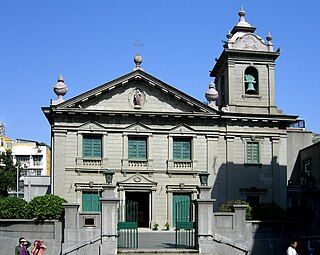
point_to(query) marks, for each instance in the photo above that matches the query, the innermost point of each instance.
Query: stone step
(158, 251)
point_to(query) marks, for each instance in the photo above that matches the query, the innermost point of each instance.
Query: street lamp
(204, 178)
(108, 175)
(17, 185)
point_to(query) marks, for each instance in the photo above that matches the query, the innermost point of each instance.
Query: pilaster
(59, 162)
(229, 166)
(275, 143)
(271, 88)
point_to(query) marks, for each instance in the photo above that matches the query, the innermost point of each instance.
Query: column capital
(229, 138)
(275, 139)
(212, 137)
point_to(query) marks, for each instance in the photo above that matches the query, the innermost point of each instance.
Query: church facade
(157, 139)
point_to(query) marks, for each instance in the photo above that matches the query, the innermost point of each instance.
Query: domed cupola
(242, 36)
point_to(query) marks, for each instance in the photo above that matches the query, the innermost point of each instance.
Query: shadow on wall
(258, 183)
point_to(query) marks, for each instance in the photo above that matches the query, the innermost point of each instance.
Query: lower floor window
(90, 201)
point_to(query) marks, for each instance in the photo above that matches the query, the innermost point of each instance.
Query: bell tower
(244, 72)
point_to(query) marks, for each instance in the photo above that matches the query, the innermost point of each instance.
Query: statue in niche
(137, 99)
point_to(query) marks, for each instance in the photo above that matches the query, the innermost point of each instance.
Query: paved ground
(151, 242)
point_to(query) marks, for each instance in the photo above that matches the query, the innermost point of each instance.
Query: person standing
(22, 247)
(292, 248)
(38, 248)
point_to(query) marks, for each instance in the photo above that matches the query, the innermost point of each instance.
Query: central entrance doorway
(142, 201)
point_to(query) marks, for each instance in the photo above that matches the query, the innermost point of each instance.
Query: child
(38, 248)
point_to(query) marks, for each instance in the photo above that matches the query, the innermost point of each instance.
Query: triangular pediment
(250, 41)
(90, 126)
(182, 129)
(133, 93)
(137, 127)
(137, 180)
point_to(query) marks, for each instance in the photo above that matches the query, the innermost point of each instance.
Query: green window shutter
(90, 202)
(181, 149)
(253, 153)
(92, 147)
(137, 148)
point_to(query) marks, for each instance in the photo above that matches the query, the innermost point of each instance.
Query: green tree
(46, 207)
(8, 173)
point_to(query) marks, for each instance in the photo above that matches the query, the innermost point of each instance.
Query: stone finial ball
(138, 59)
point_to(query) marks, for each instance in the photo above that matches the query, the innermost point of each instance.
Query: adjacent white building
(34, 160)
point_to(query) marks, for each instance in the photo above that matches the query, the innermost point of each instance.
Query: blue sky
(92, 42)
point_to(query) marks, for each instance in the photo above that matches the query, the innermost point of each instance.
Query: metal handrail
(230, 243)
(95, 239)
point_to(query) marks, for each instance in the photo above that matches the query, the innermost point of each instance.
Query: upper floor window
(252, 152)
(137, 148)
(181, 149)
(307, 165)
(251, 81)
(92, 146)
(37, 160)
(23, 159)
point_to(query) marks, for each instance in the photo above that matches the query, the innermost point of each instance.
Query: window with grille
(181, 149)
(253, 156)
(23, 159)
(37, 160)
(137, 148)
(92, 147)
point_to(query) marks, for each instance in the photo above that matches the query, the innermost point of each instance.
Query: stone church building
(157, 139)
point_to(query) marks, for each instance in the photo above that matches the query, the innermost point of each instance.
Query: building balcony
(137, 165)
(181, 166)
(90, 164)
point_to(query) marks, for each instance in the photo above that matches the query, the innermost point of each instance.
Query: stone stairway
(162, 251)
(157, 242)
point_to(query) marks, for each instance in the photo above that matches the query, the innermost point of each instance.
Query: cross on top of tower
(138, 44)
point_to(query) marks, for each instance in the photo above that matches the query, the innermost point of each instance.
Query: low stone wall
(231, 235)
(49, 231)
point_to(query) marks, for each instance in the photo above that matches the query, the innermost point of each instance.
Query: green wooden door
(181, 208)
(90, 202)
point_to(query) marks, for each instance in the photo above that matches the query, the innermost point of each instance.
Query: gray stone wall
(11, 230)
(219, 233)
(209, 154)
(297, 140)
